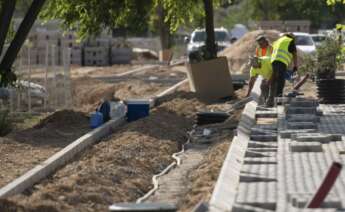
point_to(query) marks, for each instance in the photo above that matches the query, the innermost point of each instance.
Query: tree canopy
(322, 14)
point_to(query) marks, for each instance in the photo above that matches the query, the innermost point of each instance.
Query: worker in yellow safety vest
(260, 66)
(284, 52)
(264, 48)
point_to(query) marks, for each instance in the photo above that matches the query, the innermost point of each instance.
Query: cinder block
(305, 147)
(289, 133)
(266, 114)
(303, 118)
(319, 137)
(301, 125)
(303, 103)
(300, 110)
(271, 137)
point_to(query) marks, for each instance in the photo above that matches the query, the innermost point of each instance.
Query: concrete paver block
(289, 133)
(266, 114)
(303, 103)
(301, 125)
(306, 147)
(320, 137)
(303, 118)
(300, 110)
(264, 144)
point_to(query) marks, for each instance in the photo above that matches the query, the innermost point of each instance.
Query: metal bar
(326, 186)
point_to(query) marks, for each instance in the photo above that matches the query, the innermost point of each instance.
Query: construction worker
(284, 51)
(261, 66)
(264, 48)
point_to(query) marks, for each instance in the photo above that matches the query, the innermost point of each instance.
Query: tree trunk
(164, 30)
(21, 35)
(211, 46)
(7, 9)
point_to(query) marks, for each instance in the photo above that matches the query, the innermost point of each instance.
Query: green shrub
(326, 61)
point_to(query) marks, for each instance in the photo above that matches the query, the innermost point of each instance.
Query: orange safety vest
(261, 52)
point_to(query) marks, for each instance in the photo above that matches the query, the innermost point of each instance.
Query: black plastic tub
(331, 91)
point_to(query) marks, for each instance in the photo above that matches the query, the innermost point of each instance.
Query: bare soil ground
(111, 70)
(34, 140)
(119, 168)
(308, 89)
(77, 71)
(23, 149)
(202, 180)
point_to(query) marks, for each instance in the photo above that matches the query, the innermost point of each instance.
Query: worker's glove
(295, 68)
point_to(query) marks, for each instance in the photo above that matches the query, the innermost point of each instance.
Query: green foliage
(244, 11)
(333, 2)
(327, 60)
(5, 123)
(93, 16)
(181, 12)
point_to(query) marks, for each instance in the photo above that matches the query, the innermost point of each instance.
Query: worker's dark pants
(278, 82)
(264, 92)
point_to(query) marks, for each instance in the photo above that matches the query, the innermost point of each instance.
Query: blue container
(96, 119)
(137, 109)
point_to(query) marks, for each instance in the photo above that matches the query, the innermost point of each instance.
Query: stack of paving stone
(301, 116)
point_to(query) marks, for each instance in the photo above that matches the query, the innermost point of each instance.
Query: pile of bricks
(94, 52)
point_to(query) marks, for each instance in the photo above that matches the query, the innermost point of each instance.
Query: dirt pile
(88, 93)
(58, 129)
(21, 150)
(240, 51)
(120, 168)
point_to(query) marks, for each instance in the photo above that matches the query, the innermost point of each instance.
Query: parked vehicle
(304, 42)
(318, 39)
(198, 37)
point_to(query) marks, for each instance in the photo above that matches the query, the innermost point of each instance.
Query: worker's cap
(261, 37)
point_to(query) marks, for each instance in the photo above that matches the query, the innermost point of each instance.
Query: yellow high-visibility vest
(281, 50)
(265, 70)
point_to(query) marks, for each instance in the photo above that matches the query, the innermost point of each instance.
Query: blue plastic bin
(96, 119)
(137, 109)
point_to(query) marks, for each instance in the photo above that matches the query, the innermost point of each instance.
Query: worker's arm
(250, 85)
(293, 50)
(295, 61)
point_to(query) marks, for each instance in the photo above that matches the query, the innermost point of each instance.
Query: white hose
(177, 162)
